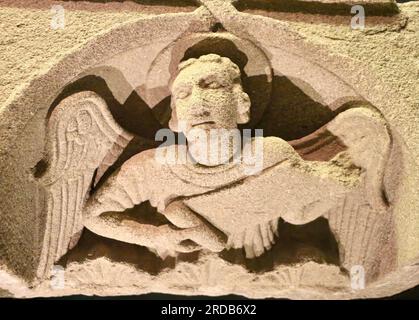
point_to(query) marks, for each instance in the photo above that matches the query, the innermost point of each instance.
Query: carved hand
(255, 239)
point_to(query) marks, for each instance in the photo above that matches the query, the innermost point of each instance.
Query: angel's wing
(361, 132)
(362, 222)
(83, 140)
(321, 145)
(367, 138)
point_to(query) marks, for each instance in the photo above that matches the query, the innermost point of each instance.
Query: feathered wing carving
(321, 145)
(364, 135)
(83, 138)
(367, 137)
(363, 221)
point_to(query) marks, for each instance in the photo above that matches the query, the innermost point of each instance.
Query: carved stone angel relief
(216, 149)
(217, 206)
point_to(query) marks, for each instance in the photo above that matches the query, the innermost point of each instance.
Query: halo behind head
(254, 69)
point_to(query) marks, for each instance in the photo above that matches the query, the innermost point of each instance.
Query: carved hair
(230, 66)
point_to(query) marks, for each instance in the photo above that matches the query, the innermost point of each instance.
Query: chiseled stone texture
(387, 51)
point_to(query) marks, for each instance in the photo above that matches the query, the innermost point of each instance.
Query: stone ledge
(328, 7)
(142, 6)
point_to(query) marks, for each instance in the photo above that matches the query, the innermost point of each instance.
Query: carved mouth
(201, 123)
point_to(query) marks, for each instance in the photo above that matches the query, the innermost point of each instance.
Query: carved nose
(201, 112)
(206, 113)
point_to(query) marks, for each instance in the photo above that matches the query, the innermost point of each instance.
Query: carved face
(207, 94)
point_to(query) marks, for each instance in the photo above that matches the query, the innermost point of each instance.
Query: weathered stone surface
(334, 190)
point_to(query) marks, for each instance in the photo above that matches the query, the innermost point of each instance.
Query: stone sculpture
(214, 205)
(318, 194)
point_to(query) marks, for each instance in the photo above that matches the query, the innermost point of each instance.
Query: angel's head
(207, 94)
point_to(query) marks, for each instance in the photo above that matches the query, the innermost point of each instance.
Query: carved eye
(213, 85)
(210, 84)
(182, 94)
